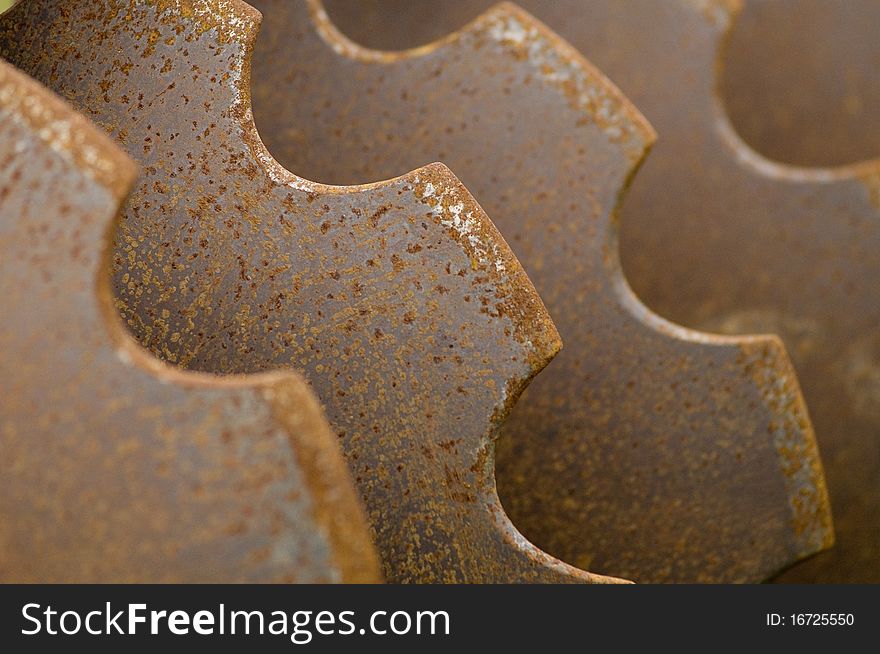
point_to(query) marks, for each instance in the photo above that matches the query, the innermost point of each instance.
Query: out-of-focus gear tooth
(716, 236)
(798, 80)
(644, 450)
(116, 468)
(411, 318)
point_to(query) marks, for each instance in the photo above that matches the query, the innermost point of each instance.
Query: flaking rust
(116, 468)
(644, 450)
(717, 236)
(406, 310)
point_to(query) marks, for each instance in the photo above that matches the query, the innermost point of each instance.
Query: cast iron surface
(644, 450)
(715, 235)
(116, 468)
(404, 307)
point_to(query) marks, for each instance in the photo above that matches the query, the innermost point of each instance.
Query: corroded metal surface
(644, 450)
(412, 320)
(715, 236)
(115, 467)
(799, 81)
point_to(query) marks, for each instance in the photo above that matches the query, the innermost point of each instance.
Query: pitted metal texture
(717, 236)
(115, 467)
(644, 450)
(399, 301)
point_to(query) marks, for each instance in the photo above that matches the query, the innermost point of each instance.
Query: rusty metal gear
(115, 467)
(715, 235)
(410, 317)
(798, 80)
(644, 450)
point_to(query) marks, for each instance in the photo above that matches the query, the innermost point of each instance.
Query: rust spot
(629, 452)
(200, 479)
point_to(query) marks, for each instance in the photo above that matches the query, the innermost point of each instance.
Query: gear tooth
(621, 453)
(554, 60)
(645, 449)
(188, 465)
(399, 300)
(795, 442)
(717, 235)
